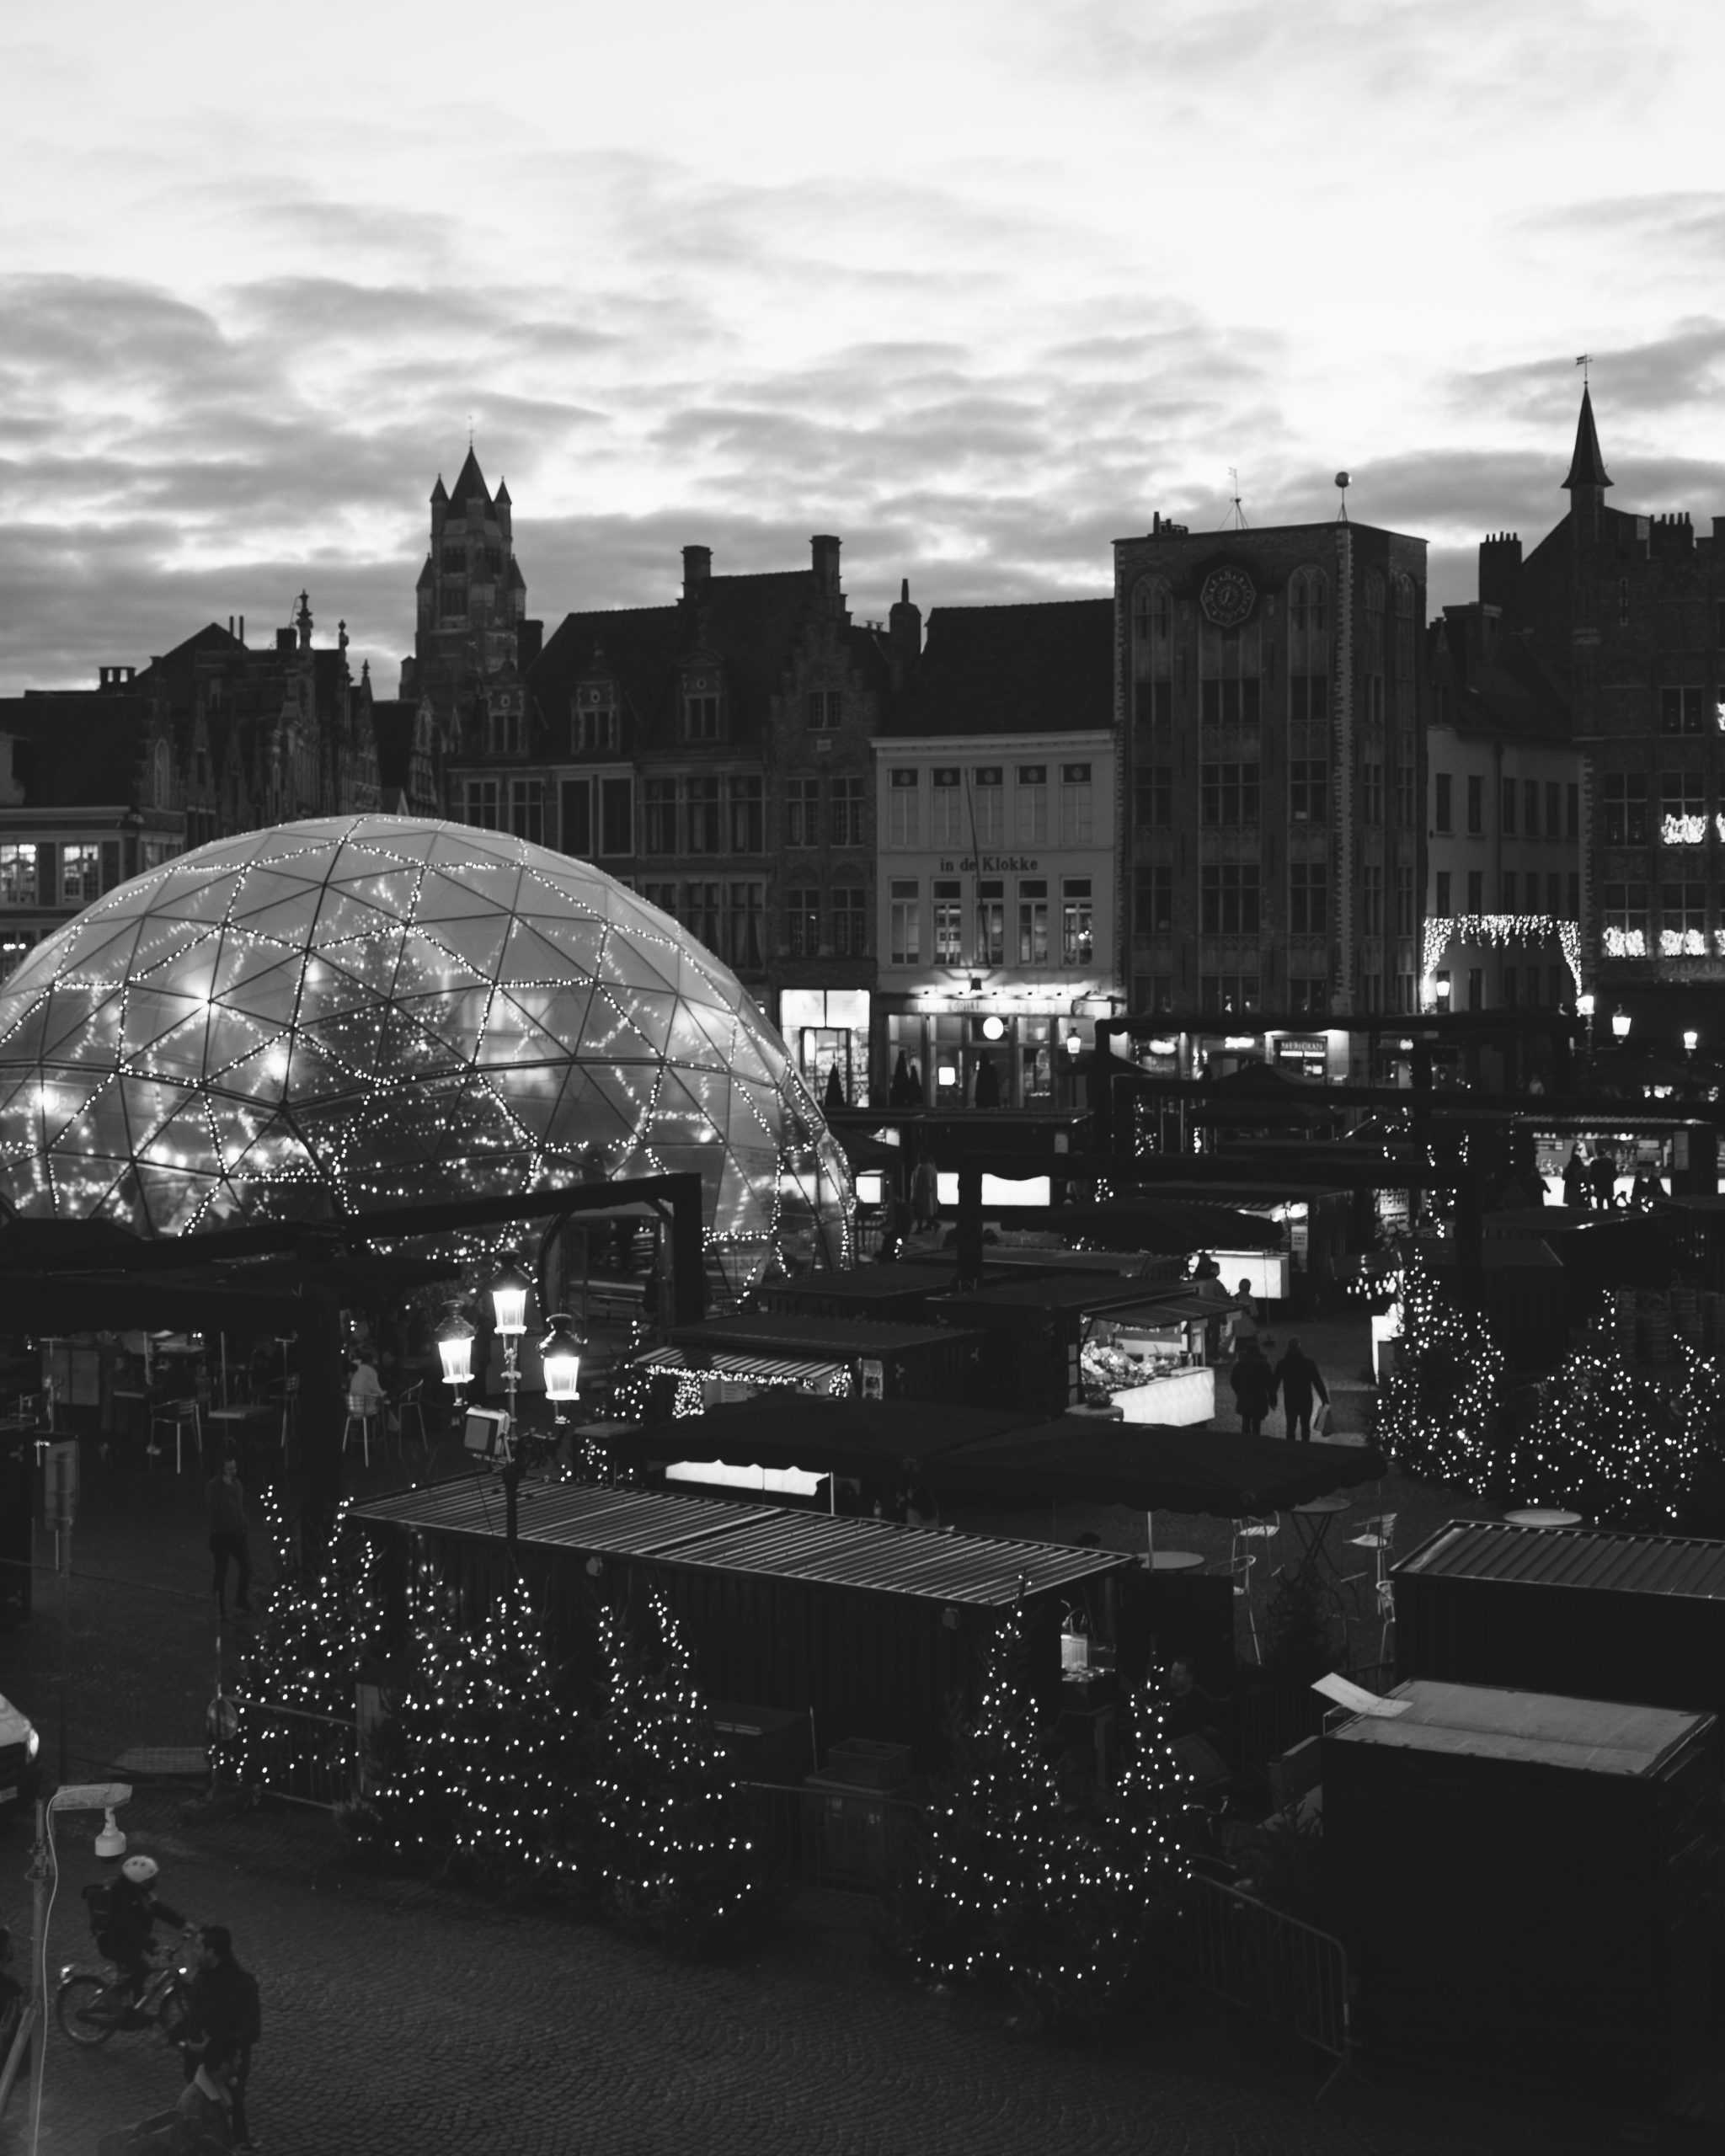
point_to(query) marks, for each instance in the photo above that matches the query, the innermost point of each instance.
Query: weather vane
(1585, 360)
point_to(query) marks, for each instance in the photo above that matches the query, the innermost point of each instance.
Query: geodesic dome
(355, 1012)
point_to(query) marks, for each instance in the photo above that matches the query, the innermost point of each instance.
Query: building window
(1308, 697)
(1306, 597)
(1153, 899)
(1554, 809)
(905, 922)
(1507, 905)
(802, 812)
(1476, 806)
(80, 874)
(18, 875)
(616, 816)
(1153, 705)
(803, 923)
(453, 603)
(1683, 919)
(1572, 814)
(747, 908)
(526, 809)
(1508, 807)
(1442, 813)
(1229, 794)
(659, 809)
(903, 798)
(1405, 809)
(506, 729)
(1033, 921)
(848, 811)
(948, 809)
(1476, 890)
(1153, 794)
(1308, 791)
(1032, 805)
(748, 815)
(948, 923)
(1224, 995)
(701, 799)
(455, 561)
(1228, 892)
(1554, 895)
(1531, 808)
(1308, 897)
(988, 805)
(1371, 794)
(1308, 997)
(481, 807)
(1229, 698)
(701, 913)
(662, 895)
(1152, 993)
(1077, 927)
(850, 921)
(1624, 797)
(990, 923)
(575, 817)
(1683, 809)
(1574, 894)
(1683, 710)
(1371, 900)
(1626, 920)
(1153, 654)
(824, 709)
(1443, 880)
(596, 729)
(1512, 987)
(1076, 813)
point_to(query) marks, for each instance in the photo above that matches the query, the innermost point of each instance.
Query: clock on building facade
(1227, 597)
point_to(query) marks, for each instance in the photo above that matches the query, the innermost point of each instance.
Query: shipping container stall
(1527, 1886)
(1036, 1331)
(1583, 1612)
(892, 1360)
(874, 1629)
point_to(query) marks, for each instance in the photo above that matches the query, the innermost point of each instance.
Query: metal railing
(294, 1754)
(1286, 1973)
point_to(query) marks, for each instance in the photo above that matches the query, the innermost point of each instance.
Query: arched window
(1153, 653)
(1371, 650)
(1308, 645)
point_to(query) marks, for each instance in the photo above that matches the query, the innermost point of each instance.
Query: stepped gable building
(994, 919)
(211, 738)
(1628, 611)
(1271, 704)
(714, 754)
(1503, 825)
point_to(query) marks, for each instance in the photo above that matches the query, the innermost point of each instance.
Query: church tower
(472, 598)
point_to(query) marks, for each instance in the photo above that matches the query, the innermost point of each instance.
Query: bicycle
(89, 2011)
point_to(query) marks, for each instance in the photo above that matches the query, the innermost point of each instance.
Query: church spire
(1587, 467)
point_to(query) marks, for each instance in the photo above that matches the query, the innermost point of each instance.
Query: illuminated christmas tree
(678, 1857)
(1602, 1443)
(1437, 1414)
(1699, 1410)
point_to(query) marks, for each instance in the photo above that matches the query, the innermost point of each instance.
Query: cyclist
(133, 1914)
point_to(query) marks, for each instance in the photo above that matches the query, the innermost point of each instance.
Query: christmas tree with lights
(1602, 1443)
(1699, 1407)
(678, 1857)
(1437, 1413)
(519, 1765)
(993, 1900)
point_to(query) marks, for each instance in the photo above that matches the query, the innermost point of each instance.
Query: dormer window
(597, 725)
(701, 707)
(507, 727)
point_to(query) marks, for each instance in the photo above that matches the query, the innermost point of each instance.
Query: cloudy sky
(977, 286)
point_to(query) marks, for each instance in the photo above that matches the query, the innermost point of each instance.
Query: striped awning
(733, 1363)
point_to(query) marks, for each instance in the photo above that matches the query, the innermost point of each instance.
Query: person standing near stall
(1297, 1379)
(225, 1512)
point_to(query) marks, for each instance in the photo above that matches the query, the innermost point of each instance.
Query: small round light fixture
(993, 1027)
(110, 1842)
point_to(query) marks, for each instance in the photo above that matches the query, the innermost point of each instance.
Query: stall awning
(734, 1362)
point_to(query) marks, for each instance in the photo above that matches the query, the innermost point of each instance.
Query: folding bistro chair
(361, 1413)
(1378, 1535)
(1239, 1570)
(179, 1415)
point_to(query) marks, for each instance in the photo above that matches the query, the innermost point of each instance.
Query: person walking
(1297, 1379)
(225, 1512)
(1254, 1387)
(925, 1195)
(1575, 1192)
(225, 2020)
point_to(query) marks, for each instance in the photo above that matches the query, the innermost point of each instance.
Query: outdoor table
(1543, 1516)
(1311, 1523)
(1174, 1561)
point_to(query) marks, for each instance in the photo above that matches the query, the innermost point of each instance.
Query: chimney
(1500, 572)
(284, 640)
(904, 636)
(697, 567)
(825, 550)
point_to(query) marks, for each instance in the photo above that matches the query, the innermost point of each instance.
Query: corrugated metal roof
(735, 1362)
(758, 1539)
(1485, 1721)
(1575, 1557)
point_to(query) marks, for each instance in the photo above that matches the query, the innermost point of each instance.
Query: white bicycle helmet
(139, 1869)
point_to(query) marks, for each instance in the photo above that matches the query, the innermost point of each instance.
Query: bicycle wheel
(72, 2002)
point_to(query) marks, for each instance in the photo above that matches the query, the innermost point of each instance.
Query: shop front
(990, 1052)
(826, 1029)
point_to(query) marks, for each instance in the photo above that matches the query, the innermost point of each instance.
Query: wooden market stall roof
(758, 1540)
(1620, 1562)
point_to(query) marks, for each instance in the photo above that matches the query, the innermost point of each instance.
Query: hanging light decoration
(560, 1351)
(509, 1299)
(454, 1349)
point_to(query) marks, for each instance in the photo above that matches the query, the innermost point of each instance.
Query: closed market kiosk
(1527, 1886)
(871, 1627)
(1584, 1612)
(892, 1360)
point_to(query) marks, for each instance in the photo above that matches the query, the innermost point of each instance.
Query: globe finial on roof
(1587, 466)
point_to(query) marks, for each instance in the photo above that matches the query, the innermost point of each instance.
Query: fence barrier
(298, 1755)
(1286, 1973)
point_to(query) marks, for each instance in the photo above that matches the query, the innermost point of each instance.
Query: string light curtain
(357, 1012)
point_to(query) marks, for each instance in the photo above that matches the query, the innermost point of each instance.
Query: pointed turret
(502, 494)
(438, 493)
(1587, 467)
(470, 486)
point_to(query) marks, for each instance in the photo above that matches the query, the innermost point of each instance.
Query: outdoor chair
(1255, 1530)
(412, 1403)
(1239, 1570)
(1378, 1535)
(289, 1399)
(179, 1415)
(1387, 1613)
(361, 1413)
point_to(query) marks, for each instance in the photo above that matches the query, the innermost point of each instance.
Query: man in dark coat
(226, 2020)
(1254, 1387)
(1297, 1378)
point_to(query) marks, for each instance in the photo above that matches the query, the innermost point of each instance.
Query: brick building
(1628, 611)
(1270, 703)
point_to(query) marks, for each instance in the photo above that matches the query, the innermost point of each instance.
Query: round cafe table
(1543, 1516)
(1175, 1561)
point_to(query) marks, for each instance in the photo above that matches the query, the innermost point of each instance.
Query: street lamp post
(509, 1304)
